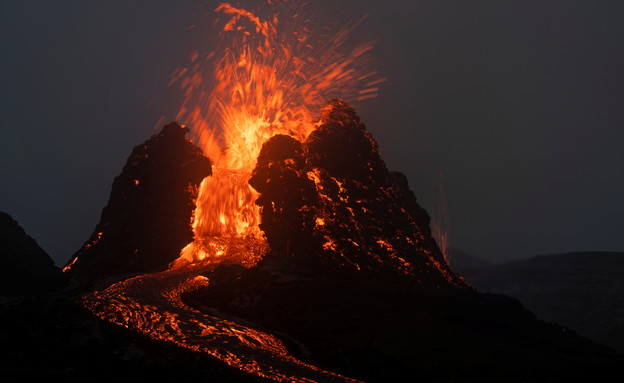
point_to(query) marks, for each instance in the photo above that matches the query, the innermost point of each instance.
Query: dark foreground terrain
(375, 330)
(53, 336)
(383, 329)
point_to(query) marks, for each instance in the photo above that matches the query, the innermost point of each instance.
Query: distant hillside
(460, 261)
(582, 291)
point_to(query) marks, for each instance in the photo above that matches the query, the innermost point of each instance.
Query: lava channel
(151, 304)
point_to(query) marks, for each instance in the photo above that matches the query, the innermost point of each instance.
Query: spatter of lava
(273, 70)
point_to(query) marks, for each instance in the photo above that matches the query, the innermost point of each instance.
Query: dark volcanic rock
(582, 291)
(147, 220)
(332, 201)
(26, 268)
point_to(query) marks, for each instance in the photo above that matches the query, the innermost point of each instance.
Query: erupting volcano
(297, 185)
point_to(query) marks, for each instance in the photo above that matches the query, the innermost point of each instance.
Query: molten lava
(272, 71)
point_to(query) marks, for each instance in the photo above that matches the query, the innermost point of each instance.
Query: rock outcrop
(26, 268)
(147, 219)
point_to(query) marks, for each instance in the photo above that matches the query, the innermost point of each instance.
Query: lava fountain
(273, 70)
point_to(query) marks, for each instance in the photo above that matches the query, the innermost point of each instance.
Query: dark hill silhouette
(26, 268)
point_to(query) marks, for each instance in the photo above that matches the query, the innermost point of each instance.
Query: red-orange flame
(270, 75)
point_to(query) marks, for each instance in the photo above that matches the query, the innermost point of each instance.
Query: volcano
(352, 287)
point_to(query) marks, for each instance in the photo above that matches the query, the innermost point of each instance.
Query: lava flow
(273, 71)
(151, 304)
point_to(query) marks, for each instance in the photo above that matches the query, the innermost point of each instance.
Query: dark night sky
(518, 103)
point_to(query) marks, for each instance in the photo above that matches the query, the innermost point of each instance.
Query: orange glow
(68, 267)
(273, 70)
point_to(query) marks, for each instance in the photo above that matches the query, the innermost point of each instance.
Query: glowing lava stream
(151, 304)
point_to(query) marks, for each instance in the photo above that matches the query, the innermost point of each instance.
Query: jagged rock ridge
(147, 219)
